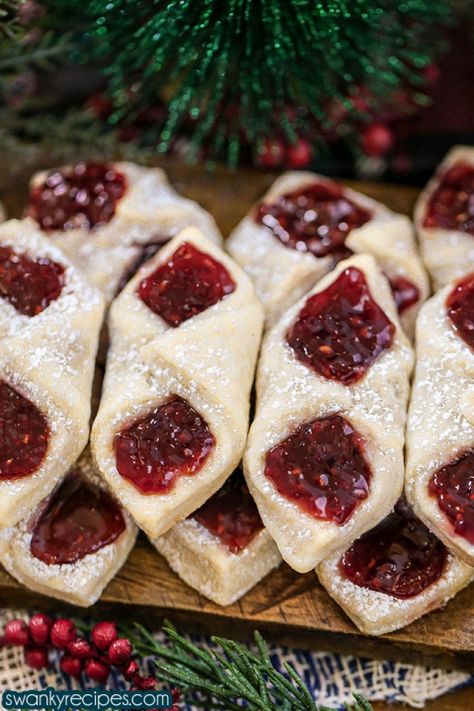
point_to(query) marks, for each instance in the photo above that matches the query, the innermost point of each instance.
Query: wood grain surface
(286, 607)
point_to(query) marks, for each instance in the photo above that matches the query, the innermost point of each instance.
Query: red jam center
(341, 331)
(399, 557)
(460, 308)
(322, 468)
(405, 293)
(316, 219)
(29, 284)
(79, 519)
(231, 514)
(83, 196)
(188, 284)
(24, 435)
(171, 441)
(451, 206)
(453, 488)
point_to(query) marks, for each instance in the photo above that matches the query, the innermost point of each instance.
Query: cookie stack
(348, 468)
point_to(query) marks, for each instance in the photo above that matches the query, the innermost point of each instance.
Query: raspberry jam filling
(82, 196)
(29, 285)
(316, 219)
(171, 441)
(405, 293)
(321, 467)
(399, 557)
(79, 519)
(451, 206)
(24, 435)
(460, 308)
(453, 488)
(231, 514)
(188, 284)
(341, 331)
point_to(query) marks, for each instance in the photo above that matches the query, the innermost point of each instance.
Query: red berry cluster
(94, 658)
(276, 152)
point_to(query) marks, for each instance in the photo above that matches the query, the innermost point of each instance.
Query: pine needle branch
(43, 55)
(241, 65)
(229, 675)
(9, 21)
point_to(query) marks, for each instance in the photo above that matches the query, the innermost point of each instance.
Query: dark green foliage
(232, 68)
(231, 73)
(228, 674)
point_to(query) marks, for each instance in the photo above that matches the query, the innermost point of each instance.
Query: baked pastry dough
(446, 233)
(145, 211)
(184, 386)
(49, 325)
(227, 537)
(282, 275)
(304, 417)
(393, 575)
(440, 430)
(73, 543)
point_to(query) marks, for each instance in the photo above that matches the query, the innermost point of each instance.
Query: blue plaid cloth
(331, 678)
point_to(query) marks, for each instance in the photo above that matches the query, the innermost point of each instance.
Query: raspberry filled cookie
(444, 218)
(393, 574)
(74, 542)
(110, 217)
(305, 224)
(173, 419)
(324, 459)
(440, 430)
(227, 536)
(50, 318)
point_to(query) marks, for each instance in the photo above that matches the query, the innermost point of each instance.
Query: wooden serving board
(285, 606)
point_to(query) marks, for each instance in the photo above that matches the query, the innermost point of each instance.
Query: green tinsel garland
(250, 69)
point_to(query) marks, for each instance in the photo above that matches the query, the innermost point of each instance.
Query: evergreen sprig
(9, 21)
(230, 69)
(230, 675)
(42, 55)
(59, 136)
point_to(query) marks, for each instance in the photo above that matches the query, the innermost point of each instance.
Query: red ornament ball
(97, 670)
(71, 665)
(80, 648)
(271, 154)
(131, 670)
(431, 74)
(63, 632)
(39, 627)
(144, 683)
(16, 633)
(120, 651)
(36, 657)
(103, 634)
(299, 154)
(377, 140)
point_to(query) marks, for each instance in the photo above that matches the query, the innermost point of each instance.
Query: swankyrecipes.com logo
(87, 700)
